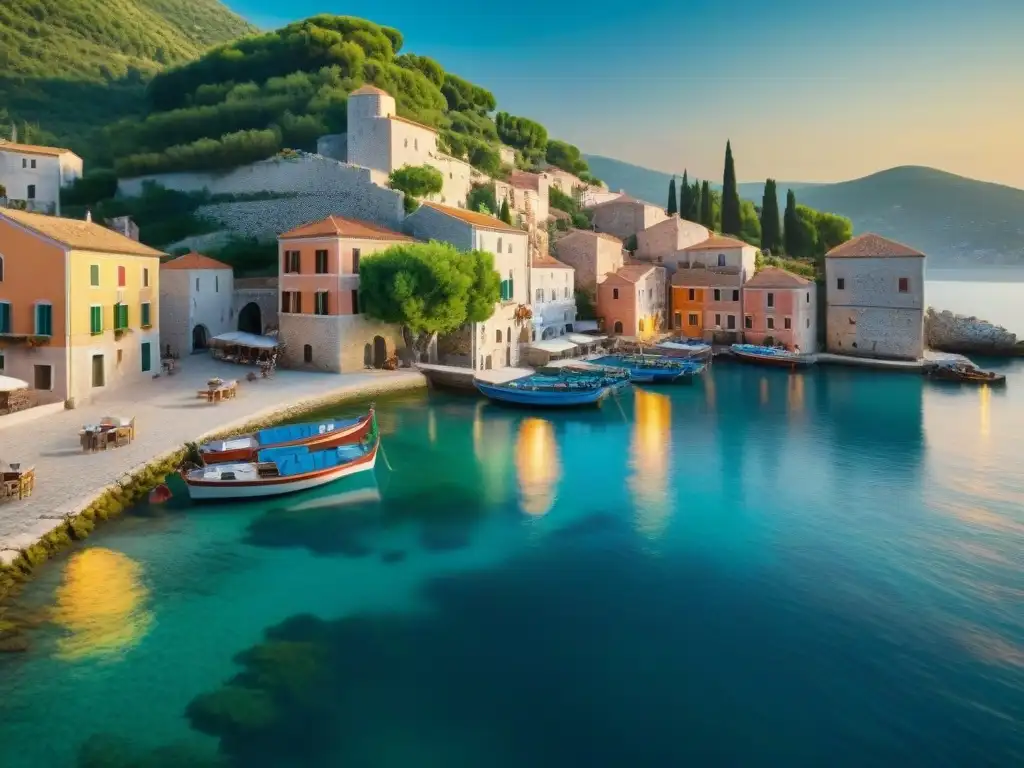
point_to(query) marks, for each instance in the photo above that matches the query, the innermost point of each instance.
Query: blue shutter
(5, 317)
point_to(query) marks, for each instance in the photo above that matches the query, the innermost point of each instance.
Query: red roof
(524, 180)
(472, 217)
(717, 242)
(872, 246)
(339, 226)
(549, 262)
(776, 277)
(193, 260)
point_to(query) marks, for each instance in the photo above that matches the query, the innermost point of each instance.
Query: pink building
(631, 301)
(781, 307)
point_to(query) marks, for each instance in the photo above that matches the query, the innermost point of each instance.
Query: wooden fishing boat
(315, 435)
(277, 471)
(557, 390)
(964, 373)
(771, 356)
(653, 369)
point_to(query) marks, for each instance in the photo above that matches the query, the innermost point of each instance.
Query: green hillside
(69, 65)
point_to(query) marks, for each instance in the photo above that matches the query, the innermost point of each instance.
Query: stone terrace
(167, 415)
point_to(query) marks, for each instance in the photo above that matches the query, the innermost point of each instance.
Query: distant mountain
(958, 222)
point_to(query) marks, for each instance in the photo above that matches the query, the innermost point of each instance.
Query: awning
(553, 345)
(9, 384)
(243, 339)
(582, 338)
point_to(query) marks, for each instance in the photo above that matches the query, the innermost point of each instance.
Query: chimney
(88, 216)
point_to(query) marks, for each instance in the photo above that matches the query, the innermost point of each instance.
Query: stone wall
(334, 146)
(340, 343)
(265, 296)
(946, 331)
(875, 332)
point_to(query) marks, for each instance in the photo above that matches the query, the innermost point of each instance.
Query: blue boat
(775, 357)
(653, 369)
(564, 389)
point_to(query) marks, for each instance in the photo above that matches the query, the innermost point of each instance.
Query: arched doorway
(618, 327)
(380, 351)
(307, 353)
(250, 319)
(200, 338)
(548, 333)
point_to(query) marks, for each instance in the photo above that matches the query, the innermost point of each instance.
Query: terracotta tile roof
(369, 90)
(716, 242)
(78, 234)
(706, 278)
(407, 121)
(193, 260)
(624, 198)
(33, 149)
(775, 277)
(525, 180)
(340, 226)
(549, 262)
(592, 233)
(634, 273)
(871, 246)
(481, 220)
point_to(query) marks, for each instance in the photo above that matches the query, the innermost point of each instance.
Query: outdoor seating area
(246, 349)
(18, 482)
(111, 432)
(218, 389)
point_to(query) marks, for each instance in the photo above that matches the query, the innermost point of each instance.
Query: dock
(454, 377)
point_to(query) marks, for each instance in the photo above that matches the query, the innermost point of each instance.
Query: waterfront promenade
(167, 415)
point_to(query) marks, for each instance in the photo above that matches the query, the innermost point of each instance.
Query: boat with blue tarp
(777, 357)
(653, 369)
(314, 435)
(283, 469)
(555, 388)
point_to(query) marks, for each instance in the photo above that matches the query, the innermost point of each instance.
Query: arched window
(307, 353)
(497, 336)
(618, 326)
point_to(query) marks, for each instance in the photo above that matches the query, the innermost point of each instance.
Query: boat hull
(343, 436)
(773, 361)
(959, 378)
(543, 398)
(234, 490)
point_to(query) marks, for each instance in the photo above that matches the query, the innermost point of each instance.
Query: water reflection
(103, 605)
(764, 391)
(537, 466)
(650, 452)
(984, 410)
(492, 442)
(431, 426)
(795, 394)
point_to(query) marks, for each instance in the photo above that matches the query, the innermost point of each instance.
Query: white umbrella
(8, 384)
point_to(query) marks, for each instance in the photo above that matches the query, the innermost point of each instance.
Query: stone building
(875, 298)
(553, 294)
(321, 326)
(527, 195)
(631, 301)
(625, 216)
(592, 255)
(495, 342)
(718, 251)
(664, 242)
(35, 175)
(196, 302)
(781, 307)
(379, 139)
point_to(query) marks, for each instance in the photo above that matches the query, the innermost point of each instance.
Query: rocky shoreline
(950, 332)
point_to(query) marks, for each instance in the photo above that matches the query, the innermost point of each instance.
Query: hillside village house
(665, 242)
(631, 301)
(196, 302)
(624, 216)
(565, 182)
(592, 255)
(707, 303)
(34, 175)
(875, 297)
(554, 297)
(781, 307)
(320, 323)
(507, 155)
(719, 251)
(379, 139)
(79, 305)
(495, 342)
(591, 197)
(527, 195)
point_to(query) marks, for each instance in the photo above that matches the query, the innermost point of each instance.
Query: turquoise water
(761, 569)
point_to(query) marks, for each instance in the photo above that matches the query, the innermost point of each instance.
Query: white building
(495, 342)
(527, 195)
(553, 294)
(380, 140)
(196, 302)
(715, 252)
(35, 175)
(875, 296)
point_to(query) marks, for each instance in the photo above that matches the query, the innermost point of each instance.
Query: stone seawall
(950, 332)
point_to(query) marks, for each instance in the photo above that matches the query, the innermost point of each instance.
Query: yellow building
(78, 305)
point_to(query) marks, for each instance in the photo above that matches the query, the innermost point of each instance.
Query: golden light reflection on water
(984, 410)
(764, 391)
(709, 390)
(795, 394)
(431, 426)
(537, 466)
(491, 446)
(650, 453)
(102, 604)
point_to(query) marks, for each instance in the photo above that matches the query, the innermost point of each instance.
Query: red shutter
(120, 277)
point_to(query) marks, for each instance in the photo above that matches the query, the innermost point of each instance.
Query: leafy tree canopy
(522, 133)
(563, 155)
(417, 182)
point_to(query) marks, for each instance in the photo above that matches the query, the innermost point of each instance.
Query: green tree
(707, 209)
(672, 208)
(505, 214)
(798, 234)
(695, 202)
(585, 307)
(831, 229)
(732, 223)
(771, 232)
(750, 223)
(428, 289)
(563, 155)
(685, 190)
(416, 181)
(482, 195)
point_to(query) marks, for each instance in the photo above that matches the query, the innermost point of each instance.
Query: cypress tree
(672, 210)
(505, 214)
(771, 234)
(707, 211)
(684, 196)
(731, 219)
(791, 234)
(694, 213)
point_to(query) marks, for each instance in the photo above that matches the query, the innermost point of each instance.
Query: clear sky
(806, 91)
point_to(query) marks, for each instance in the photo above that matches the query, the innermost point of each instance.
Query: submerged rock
(944, 330)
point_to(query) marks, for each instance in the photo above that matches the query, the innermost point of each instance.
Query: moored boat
(771, 356)
(652, 369)
(564, 389)
(683, 347)
(315, 435)
(277, 471)
(962, 372)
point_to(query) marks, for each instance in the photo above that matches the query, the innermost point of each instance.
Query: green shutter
(94, 274)
(511, 288)
(44, 320)
(5, 317)
(146, 364)
(96, 320)
(145, 315)
(124, 315)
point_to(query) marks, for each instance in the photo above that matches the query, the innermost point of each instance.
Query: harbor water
(765, 568)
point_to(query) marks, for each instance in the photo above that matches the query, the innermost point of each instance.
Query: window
(121, 277)
(510, 246)
(415, 143)
(731, 322)
(511, 285)
(677, 320)
(787, 323)
(197, 284)
(94, 275)
(355, 261)
(406, 143)
(771, 323)
(120, 316)
(771, 299)
(145, 277)
(615, 293)
(147, 322)
(42, 377)
(95, 319)
(24, 163)
(904, 285)
(565, 292)
(497, 336)
(307, 353)
(693, 319)
(718, 294)
(840, 284)
(321, 262)
(320, 303)
(748, 322)
(617, 328)
(718, 320)
(1, 362)
(145, 354)
(650, 294)
(355, 302)
(1, 269)
(808, 297)
(32, 164)
(538, 295)
(31, 192)
(291, 302)
(120, 357)
(44, 320)
(216, 283)
(505, 291)
(808, 321)
(5, 317)
(499, 245)
(291, 262)
(693, 294)
(721, 259)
